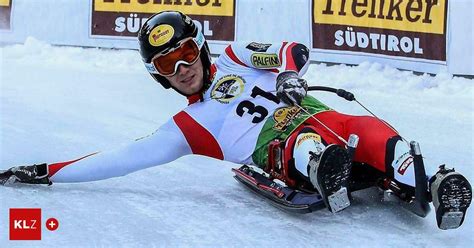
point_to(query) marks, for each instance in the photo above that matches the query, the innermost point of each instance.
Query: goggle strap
(199, 39)
(150, 67)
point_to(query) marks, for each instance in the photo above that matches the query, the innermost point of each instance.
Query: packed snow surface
(59, 103)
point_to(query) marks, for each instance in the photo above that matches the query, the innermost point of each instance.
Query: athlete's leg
(379, 146)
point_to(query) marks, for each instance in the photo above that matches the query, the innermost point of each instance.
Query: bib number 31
(259, 112)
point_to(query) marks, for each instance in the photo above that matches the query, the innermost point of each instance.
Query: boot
(451, 194)
(329, 173)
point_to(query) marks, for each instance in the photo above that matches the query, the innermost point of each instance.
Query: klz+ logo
(25, 224)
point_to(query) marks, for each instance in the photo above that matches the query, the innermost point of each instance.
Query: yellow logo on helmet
(160, 35)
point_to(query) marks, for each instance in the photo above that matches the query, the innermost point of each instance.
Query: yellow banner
(5, 3)
(190, 7)
(426, 16)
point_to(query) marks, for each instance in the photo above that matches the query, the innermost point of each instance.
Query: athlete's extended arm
(163, 146)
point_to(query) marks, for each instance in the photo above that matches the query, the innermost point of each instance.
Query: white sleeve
(274, 57)
(163, 146)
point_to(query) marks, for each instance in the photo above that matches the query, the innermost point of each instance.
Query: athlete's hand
(32, 174)
(291, 89)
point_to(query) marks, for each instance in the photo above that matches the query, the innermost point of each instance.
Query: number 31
(250, 108)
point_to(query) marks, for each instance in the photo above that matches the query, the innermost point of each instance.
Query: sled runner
(280, 195)
(300, 200)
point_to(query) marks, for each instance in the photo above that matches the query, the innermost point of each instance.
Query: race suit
(236, 118)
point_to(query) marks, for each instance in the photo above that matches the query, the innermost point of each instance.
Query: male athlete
(250, 97)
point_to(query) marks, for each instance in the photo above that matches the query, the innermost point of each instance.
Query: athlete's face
(189, 78)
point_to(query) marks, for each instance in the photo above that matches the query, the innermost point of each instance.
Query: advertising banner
(123, 18)
(406, 29)
(5, 14)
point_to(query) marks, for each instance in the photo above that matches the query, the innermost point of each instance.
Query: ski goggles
(186, 52)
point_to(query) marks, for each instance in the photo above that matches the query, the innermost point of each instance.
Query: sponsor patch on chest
(227, 88)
